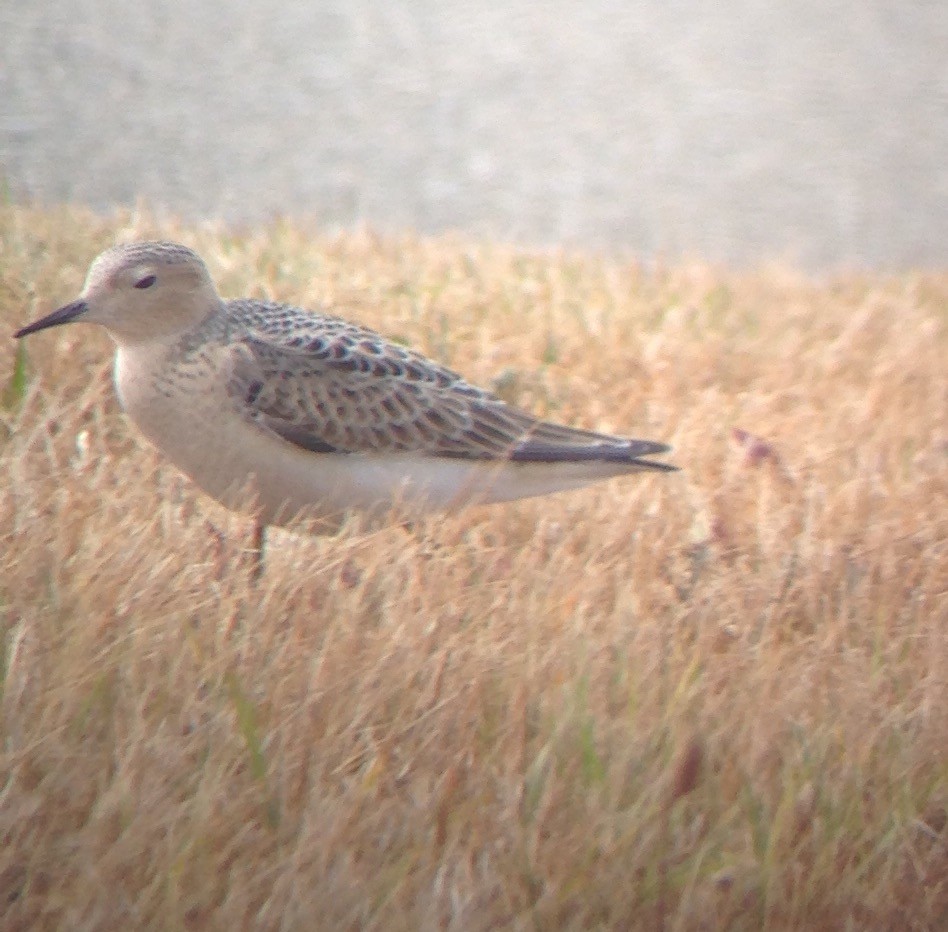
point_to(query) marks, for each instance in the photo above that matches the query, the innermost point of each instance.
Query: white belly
(246, 468)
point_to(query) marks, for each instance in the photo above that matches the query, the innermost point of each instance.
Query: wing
(332, 387)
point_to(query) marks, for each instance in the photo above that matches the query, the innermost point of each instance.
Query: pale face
(139, 292)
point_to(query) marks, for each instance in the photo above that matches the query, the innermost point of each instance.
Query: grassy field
(716, 699)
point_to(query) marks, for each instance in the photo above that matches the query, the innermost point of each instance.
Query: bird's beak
(63, 316)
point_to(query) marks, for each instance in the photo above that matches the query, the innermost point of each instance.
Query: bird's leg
(258, 543)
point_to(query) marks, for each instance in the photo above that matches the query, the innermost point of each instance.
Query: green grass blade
(249, 729)
(15, 390)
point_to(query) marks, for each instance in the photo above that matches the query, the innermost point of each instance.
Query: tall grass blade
(15, 390)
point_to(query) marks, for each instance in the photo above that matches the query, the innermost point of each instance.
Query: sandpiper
(291, 413)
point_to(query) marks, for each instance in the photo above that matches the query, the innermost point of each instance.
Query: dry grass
(712, 700)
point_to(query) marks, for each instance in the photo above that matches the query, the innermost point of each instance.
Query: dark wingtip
(657, 467)
(639, 448)
(630, 453)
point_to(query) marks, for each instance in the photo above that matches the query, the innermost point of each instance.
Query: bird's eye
(146, 282)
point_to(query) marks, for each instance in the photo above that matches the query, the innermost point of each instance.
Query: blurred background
(741, 131)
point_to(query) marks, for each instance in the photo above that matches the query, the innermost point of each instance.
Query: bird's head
(140, 292)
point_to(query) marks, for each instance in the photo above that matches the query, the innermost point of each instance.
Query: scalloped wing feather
(326, 385)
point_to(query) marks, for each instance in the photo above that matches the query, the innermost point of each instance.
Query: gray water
(809, 131)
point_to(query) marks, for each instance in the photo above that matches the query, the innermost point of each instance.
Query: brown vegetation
(717, 699)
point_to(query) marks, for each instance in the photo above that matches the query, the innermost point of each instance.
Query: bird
(289, 413)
